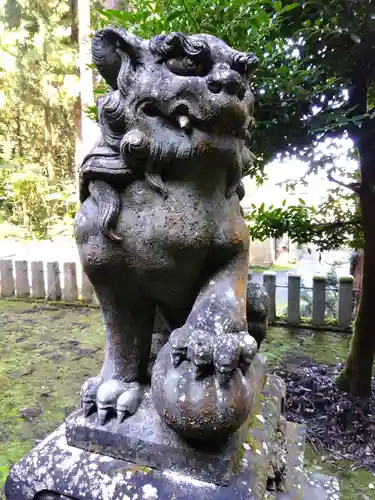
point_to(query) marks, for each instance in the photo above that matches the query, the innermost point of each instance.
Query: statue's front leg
(201, 380)
(215, 333)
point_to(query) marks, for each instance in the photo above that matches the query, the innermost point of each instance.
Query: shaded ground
(47, 352)
(335, 420)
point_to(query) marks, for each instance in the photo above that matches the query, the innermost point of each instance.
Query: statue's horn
(109, 46)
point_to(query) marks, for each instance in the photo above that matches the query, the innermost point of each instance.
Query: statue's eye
(185, 66)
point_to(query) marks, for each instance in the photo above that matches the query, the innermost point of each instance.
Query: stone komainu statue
(161, 235)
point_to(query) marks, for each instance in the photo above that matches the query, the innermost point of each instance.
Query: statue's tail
(109, 204)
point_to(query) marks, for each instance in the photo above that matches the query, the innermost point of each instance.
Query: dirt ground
(46, 352)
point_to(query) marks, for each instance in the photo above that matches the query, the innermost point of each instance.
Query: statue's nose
(226, 80)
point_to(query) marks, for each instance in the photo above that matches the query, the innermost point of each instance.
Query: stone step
(302, 485)
(320, 487)
(295, 439)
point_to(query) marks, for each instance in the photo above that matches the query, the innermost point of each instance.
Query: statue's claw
(249, 348)
(128, 402)
(233, 351)
(102, 415)
(179, 342)
(88, 394)
(88, 407)
(200, 349)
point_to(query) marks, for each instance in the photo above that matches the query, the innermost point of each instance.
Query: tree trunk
(48, 141)
(77, 110)
(84, 139)
(356, 375)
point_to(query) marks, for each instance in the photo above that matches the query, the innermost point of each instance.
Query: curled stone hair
(245, 63)
(177, 44)
(112, 118)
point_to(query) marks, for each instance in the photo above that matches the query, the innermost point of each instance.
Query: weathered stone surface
(57, 467)
(300, 484)
(315, 487)
(145, 439)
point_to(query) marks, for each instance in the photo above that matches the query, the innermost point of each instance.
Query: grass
(47, 351)
(273, 267)
(355, 483)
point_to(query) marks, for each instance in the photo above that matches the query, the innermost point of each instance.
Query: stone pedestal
(240, 469)
(237, 469)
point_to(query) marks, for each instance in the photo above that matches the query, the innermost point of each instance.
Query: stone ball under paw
(195, 405)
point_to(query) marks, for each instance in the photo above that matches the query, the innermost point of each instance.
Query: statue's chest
(185, 219)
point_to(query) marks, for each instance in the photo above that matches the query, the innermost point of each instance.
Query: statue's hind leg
(128, 318)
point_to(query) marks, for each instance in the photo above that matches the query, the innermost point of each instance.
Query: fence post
(37, 280)
(345, 308)
(70, 282)
(269, 282)
(6, 278)
(319, 300)
(87, 289)
(95, 300)
(22, 278)
(53, 281)
(294, 299)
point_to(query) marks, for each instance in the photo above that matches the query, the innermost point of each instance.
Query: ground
(47, 351)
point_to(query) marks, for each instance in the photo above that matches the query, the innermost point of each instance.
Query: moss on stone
(354, 481)
(319, 346)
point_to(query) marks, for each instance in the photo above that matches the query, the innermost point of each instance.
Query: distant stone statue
(160, 231)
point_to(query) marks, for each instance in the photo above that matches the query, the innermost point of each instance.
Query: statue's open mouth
(181, 116)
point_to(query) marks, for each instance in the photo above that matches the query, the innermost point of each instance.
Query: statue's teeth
(183, 121)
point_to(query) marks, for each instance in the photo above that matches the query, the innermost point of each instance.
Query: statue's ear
(109, 48)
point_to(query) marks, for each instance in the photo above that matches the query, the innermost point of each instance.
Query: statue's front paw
(110, 398)
(233, 351)
(221, 354)
(119, 398)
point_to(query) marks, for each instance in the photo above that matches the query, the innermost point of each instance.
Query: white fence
(66, 282)
(344, 306)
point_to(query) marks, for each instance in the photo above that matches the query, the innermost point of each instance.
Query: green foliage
(328, 227)
(32, 200)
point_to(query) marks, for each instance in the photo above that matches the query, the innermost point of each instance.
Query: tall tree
(85, 71)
